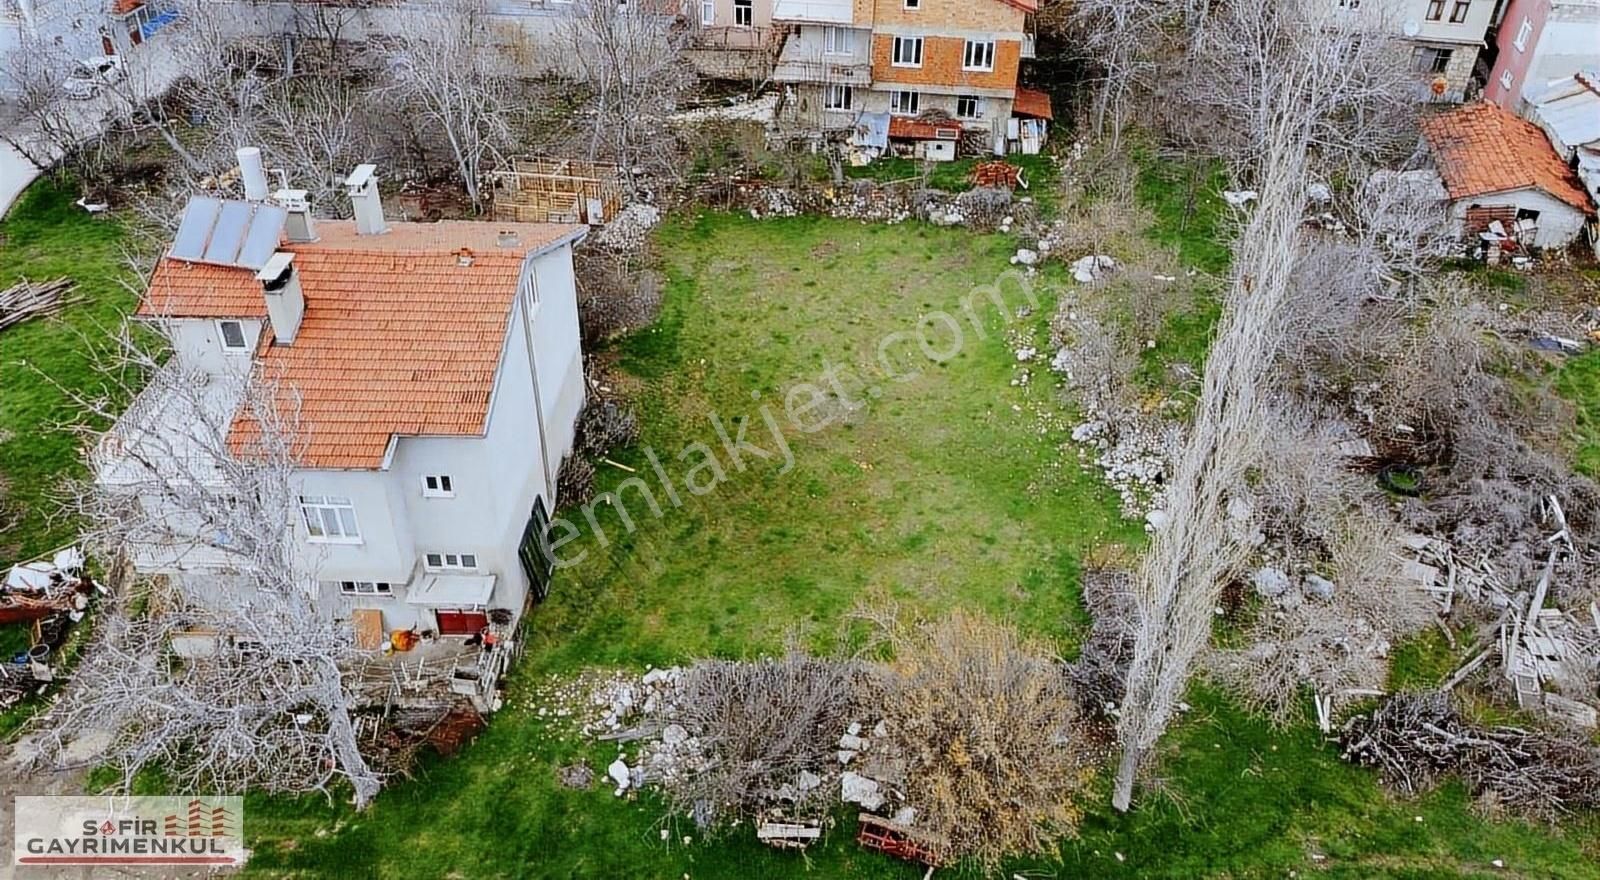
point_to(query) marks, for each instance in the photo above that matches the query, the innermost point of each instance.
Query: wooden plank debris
(29, 299)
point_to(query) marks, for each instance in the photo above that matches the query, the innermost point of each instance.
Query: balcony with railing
(813, 11)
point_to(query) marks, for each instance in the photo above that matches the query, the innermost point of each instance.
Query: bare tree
(1291, 91)
(199, 473)
(447, 67)
(633, 64)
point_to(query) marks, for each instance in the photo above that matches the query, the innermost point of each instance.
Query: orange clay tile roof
(398, 336)
(1032, 102)
(123, 7)
(1481, 149)
(919, 130)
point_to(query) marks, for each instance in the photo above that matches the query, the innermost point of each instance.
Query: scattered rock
(857, 789)
(1318, 587)
(1270, 582)
(1025, 257)
(618, 771)
(576, 776)
(674, 734)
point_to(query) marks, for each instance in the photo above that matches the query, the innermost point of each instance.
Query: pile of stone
(874, 773)
(1134, 454)
(630, 229)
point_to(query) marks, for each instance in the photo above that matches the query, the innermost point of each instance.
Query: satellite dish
(1411, 28)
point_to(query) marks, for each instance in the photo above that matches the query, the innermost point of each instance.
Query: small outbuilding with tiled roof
(1497, 167)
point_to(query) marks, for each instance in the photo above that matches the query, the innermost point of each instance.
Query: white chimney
(252, 173)
(286, 305)
(298, 226)
(362, 184)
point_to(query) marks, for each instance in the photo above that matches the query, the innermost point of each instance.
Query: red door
(461, 623)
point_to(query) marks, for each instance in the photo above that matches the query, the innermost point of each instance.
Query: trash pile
(48, 595)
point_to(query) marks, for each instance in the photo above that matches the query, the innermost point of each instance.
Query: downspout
(533, 372)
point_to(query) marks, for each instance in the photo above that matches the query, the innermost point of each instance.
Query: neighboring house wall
(725, 13)
(1541, 41)
(1559, 222)
(1440, 45)
(942, 70)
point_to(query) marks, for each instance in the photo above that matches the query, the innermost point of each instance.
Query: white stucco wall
(197, 343)
(1559, 222)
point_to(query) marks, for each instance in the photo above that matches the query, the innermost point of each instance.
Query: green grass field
(940, 491)
(45, 237)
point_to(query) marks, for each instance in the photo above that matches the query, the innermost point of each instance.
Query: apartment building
(842, 59)
(436, 374)
(1539, 42)
(1442, 37)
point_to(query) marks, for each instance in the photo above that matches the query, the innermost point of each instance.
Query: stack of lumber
(27, 299)
(1002, 174)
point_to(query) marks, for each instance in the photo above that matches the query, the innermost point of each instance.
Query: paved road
(15, 175)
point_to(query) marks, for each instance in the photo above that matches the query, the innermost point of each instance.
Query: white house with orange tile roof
(436, 377)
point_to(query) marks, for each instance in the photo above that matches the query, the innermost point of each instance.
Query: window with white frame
(907, 52)
(438, 486)
(366, 588)
(1349, 4)
(1435, 10)
(838, 40)
(232, 334)
(969, 107)
(979, 55)
(1524, 31)
(743, 13)
(449, 561)
(708, 12)
(1506, 79)
(837, 97)
(330, 518)
(1458, 12)
(913, 4)
(1431, 59)
(904, 103)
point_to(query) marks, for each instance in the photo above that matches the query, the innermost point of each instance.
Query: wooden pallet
(901, 841)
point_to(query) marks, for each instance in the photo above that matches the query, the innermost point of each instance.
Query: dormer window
(232, 335)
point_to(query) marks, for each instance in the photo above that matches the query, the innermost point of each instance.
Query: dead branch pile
(979, 715)
(763, 730)
(1416, 739)
(605, 424)
(30, 299)
(617, 291)
(1100, 673)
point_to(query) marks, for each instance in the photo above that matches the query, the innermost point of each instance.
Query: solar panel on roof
(198, 218)
(228, 234)
(261, 240)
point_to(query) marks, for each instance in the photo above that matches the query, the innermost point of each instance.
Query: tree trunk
(1122, 795)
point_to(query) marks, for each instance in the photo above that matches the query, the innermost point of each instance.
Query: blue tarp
(156, 23)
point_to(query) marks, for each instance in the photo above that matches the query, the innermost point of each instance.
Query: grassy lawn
(45, 237)
(936, 492)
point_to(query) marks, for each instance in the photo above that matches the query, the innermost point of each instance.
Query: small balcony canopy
(819, 11)
(451, 590)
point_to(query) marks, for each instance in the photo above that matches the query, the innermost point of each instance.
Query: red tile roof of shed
(400, 334)
(908, 128)
(1482, 149)
(1032, 102)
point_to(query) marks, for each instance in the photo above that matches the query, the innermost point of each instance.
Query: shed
(1494, 164)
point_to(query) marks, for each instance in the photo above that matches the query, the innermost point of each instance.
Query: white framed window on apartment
(366, 588)
(837, 97)
(969, 107)
(905, 103)
(744, 13)
(330, 518)
(913, 4)
(232, 335)
(450, 561)
(708, 12)
(1435, 10)
(1458, 12)
(979, 55)
(838, 40)
(1524, 31)
(438, 486)
(907, 52)
(1506, 79)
